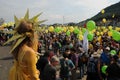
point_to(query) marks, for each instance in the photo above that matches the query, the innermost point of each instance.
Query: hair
(30, 41)
(67, 49)
(65, 55)
(49, 53)
(54, 59)
(115, 57)
(73, 49)
(25, 26)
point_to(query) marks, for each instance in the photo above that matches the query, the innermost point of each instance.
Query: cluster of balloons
(8, 24)
(90, 27)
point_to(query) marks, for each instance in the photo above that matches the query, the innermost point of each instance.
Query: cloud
(54, 10)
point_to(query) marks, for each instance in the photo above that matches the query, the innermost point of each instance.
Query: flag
(85, 42)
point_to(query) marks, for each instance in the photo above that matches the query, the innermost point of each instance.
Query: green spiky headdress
(20, 37)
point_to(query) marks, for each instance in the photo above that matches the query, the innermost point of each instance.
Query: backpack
(82, 59)
(92, 66)
(64, 71)
(105, 59)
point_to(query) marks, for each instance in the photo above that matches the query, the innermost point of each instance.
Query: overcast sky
(55, 11)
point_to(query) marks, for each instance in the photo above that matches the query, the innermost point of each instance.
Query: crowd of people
(72, 51)
(64, 53)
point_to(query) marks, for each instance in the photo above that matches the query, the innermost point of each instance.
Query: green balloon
(116, 35)
(90, 37)
(57, 29)
(76, 31)
(91, 25)
(68, 33)
(113, 52)
(103, 69)
(83, 30)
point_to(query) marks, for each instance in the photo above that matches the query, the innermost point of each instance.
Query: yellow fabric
(25, 67)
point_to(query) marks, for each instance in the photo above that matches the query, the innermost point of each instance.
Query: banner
(85, 42)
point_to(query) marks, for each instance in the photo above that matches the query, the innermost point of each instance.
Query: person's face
(67, 52)
(55, 63)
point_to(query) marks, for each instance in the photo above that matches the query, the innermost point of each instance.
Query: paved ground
(6, 62)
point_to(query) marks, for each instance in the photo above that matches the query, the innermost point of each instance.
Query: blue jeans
(81, 71)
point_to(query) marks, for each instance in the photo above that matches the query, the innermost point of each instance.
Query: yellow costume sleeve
(31, 59)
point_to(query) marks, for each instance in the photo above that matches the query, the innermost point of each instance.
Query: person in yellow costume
(24, 49)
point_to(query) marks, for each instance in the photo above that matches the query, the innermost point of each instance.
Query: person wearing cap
(50, 70)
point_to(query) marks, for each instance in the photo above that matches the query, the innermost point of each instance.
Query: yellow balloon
(71, 28)
(103, 27)
(109, 33)
(99, 38)
(110, 27)
(46, 31)
(64, 29)
(101, 33)
(80, 37)
(98, 33)
(103, 11)
(105, 30)
(80, 32)
(98, 28)
(5, 24)
(113, 15)
(117, 28)
(51, 28)
(8, 24)
(104, 20)
(94, 31)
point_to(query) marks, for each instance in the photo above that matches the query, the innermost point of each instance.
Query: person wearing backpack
(93, 67)
(80, 64)
(66, 67)
(105, 59)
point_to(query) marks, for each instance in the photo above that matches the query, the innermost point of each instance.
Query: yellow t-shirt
(25, 67)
